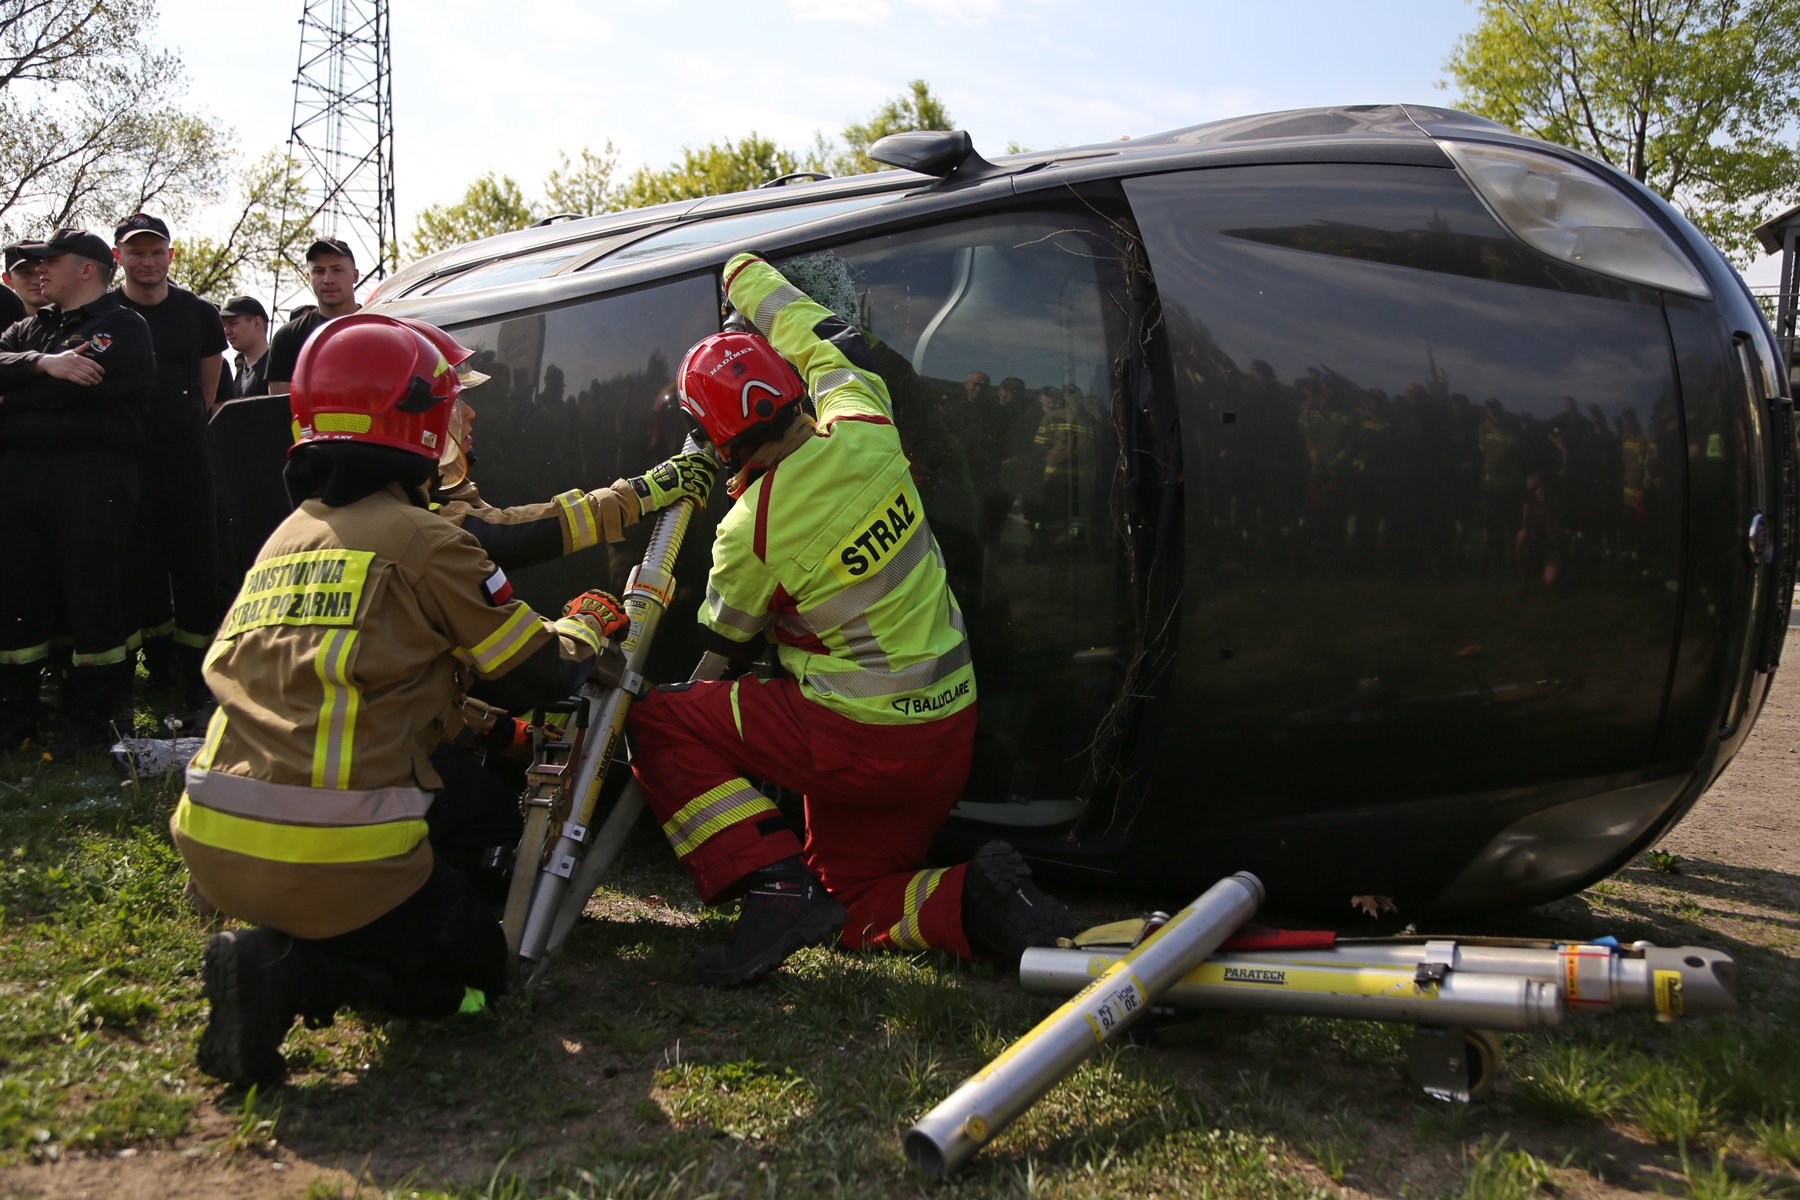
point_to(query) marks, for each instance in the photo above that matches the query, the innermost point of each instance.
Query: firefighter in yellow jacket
(827, 552)
(338, 669)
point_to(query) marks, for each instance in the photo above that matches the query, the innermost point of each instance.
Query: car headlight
(1571, 214)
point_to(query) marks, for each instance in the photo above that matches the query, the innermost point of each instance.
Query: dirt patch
(1750, 817)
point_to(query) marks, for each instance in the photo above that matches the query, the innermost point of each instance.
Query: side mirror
(948, 154)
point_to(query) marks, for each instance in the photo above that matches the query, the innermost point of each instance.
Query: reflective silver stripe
(294, 804)
(860, 640)
(737, 618)
(870, 685)
(581, 521)
(861, 596)
(773, 303)
(722, 807)
(836, 378)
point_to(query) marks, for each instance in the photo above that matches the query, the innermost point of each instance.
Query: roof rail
(784, 180)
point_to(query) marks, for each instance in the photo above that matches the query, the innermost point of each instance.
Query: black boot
(254, 980)
(19, 705)
(96, 710)
(786, 909)
(1004, 912)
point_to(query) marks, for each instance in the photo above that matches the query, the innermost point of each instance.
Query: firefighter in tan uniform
(338, 669)
(475, 820)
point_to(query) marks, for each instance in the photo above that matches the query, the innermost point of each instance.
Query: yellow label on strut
(1668, 992)
(1112, 1006)
(314, 587)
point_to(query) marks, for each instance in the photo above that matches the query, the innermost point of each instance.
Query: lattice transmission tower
(342, 139)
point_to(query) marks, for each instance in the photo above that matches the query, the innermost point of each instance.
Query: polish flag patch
(498, 588)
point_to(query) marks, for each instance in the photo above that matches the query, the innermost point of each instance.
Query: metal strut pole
(560, 810)
(995, 1096)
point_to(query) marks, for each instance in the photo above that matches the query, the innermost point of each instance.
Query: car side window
(578, 397)
(997, 339)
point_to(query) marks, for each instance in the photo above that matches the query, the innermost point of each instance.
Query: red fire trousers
(875, 796)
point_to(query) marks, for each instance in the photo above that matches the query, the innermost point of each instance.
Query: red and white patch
(100, 341)
(498, 588)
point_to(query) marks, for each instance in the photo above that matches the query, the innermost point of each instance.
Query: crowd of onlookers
(118, 545)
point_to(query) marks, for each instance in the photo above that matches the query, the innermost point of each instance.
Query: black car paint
(1320, 738)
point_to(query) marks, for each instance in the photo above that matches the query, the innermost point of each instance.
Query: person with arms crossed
(75, 380)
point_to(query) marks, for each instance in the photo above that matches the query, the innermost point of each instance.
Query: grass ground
(625, 1079)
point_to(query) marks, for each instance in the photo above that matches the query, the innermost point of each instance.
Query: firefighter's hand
(688, 476)
(603, 607)
(70, 365)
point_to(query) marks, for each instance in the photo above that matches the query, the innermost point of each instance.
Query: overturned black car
(1366, 497)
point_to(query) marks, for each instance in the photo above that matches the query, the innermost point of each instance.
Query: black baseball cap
(330, 245)
(138, 223)
(244, 306)
(16, 252)
(69, 241)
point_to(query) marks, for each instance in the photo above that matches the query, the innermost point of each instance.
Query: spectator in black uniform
(174, 557)
(247, 329)
(12, 303)
(331, 270)
(75, 379)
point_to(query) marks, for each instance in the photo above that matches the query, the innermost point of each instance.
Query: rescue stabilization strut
(995, 1096)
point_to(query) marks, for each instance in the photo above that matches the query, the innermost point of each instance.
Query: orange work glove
(603, 607)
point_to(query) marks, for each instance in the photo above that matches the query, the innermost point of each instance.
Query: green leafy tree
(492, 204)
(269, 230)
(915, 108)
(584, 186)
(91, 124)
(1698, 99)
(725, 166)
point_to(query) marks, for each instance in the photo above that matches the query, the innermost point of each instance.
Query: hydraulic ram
(991, 1099)
(1428, 982)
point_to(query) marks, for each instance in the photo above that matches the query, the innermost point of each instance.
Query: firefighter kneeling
(338, 670)
(828, 549)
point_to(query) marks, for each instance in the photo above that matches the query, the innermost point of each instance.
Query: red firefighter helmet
(459, 443)
(455, 353)
(733, 382)
(369, 378)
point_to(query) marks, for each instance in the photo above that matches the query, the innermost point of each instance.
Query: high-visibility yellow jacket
(337, 670)
(830, 549)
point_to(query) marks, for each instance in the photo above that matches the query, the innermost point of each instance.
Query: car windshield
(738, 228)
(508, 270)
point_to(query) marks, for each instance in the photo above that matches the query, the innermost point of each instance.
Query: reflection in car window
(1422, 218)
(740, 228)
(576, 398)
(996, 339)
(509, 270)
(1440, 513)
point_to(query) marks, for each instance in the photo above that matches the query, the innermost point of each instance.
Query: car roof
(587, 255)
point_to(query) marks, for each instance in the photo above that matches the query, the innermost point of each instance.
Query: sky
(507, 84)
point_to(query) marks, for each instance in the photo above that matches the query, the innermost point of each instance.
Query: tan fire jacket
(526, 534)
(337, 672)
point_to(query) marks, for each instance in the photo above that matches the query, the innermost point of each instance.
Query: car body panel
(1348, 684)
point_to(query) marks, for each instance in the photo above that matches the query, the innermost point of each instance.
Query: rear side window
(997, 338)
(576, 398)
(1434, 488)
